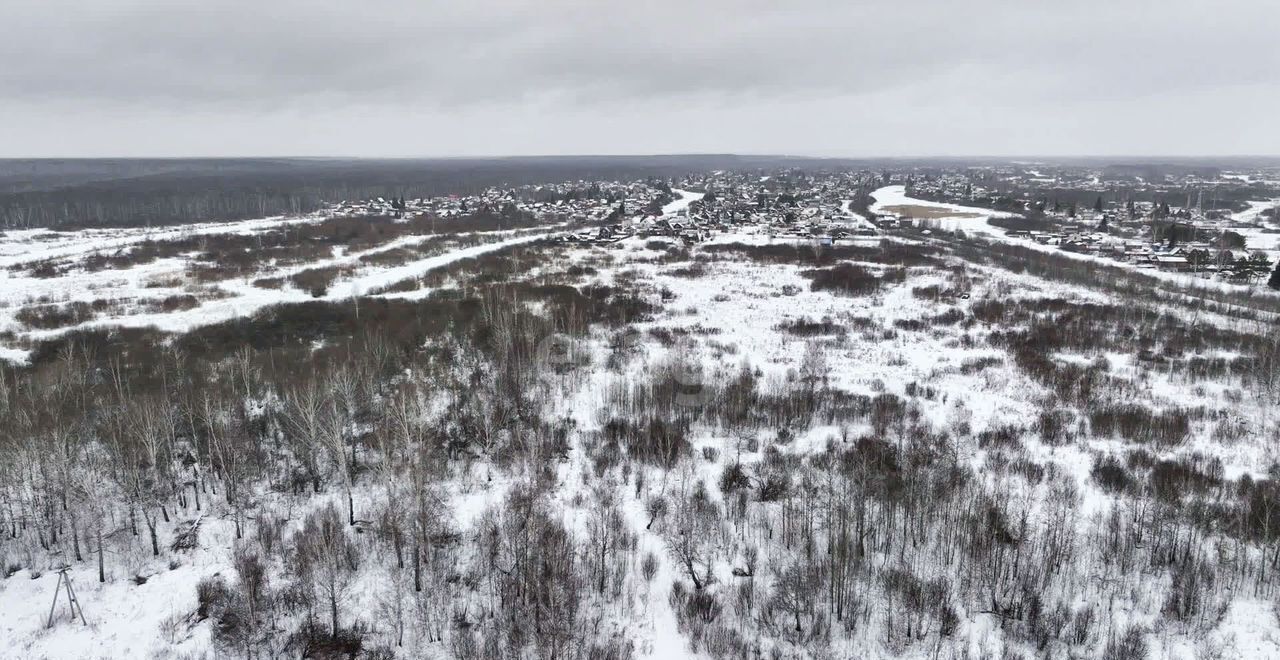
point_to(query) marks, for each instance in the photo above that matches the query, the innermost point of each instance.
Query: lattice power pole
(73, 603)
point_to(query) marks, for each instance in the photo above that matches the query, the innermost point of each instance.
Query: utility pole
(73, 603)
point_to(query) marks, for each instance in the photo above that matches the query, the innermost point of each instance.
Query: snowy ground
(973, 220)
(739, 305)
(733, 313)
(678, 206)
(1253, 214)
(26, 245)
(129, 290)
(1259, 234)
(889, 197)
(731, 316)
(859, 220)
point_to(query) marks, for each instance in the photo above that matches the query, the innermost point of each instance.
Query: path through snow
(686, 198)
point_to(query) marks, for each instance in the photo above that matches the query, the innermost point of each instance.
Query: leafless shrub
(850, 279)
(1130, 645)
(1134, 422)
(805, 327)
(971, 366)
(48, 317)
(317, 281)
(1111, 475)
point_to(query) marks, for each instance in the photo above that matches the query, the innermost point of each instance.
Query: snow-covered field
(1259, 234)
(973, 220)
(134, 291)
(985, 527)
(740, 306)
(893, 197)
(679, 205)
(1253, 214)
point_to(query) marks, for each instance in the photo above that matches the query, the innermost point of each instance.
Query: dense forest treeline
(70, 193)
(136, 193)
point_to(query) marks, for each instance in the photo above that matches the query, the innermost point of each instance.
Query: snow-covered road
(379, 279)
(679, 205)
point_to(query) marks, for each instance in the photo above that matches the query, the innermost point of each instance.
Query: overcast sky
(496, 77)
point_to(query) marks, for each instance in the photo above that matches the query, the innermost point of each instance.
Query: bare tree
(304, 414)
(327, 559)
(693, 523)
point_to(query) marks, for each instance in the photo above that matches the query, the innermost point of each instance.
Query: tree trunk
(417, 566)
(333, 612)
(102, 574)
(693, 573)
(600, 586)
(155, 543)
(397, 539)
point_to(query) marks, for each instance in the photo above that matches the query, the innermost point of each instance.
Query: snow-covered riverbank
(679, 205)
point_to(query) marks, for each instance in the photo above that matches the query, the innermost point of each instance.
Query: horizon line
(692, 154)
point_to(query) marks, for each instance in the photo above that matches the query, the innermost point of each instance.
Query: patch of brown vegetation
(927, 212)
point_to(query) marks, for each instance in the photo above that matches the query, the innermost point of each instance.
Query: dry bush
(971, 366)
(888, 253)
(274, 283)
(1175, 479)
(1111, 475)
(655, 441)
(692, 271)
(806, 327)
(1007, 436)
(169, 304)
(1140, 424)
(317, 281)
(850, 279)
(48, 317)
(1054, 426)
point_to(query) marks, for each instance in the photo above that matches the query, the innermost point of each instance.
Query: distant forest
(72, 193)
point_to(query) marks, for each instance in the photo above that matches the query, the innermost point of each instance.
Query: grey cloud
(238, 61)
